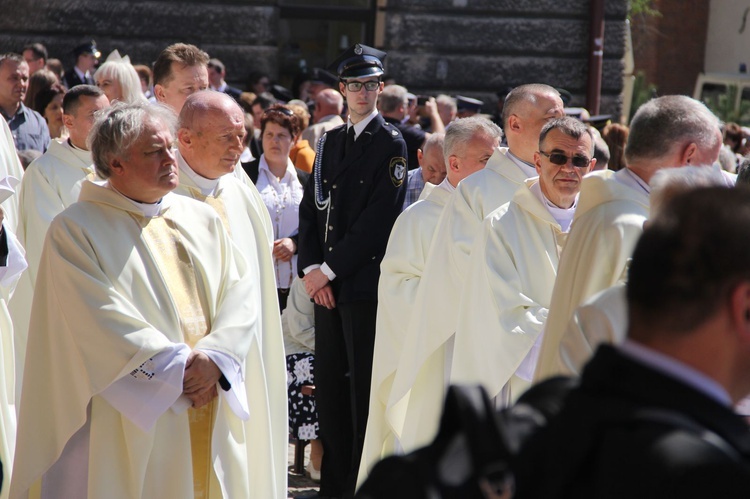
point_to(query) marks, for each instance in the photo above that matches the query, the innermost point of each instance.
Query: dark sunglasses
(558, 158)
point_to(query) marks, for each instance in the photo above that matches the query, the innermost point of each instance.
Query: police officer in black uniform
(346, 215)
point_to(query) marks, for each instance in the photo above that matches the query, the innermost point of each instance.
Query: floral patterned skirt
(303, 417)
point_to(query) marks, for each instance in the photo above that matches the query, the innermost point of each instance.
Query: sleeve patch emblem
(397, 169)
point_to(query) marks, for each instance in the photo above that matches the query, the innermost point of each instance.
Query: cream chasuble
(400, 274)
(103, 315)
(506, 294)
(424, 365)
(602, 319)
(608, 222)
(50, 184)
(237, 207)
(10, 165)
(9, 275)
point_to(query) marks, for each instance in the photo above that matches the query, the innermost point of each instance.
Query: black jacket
(71, 79)
(367, 189)
(630, 431)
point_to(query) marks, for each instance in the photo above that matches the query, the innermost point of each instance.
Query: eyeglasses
(356, 86)
(557, 158)
(283, 110)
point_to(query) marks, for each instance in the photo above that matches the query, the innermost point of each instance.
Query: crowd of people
(190, 273)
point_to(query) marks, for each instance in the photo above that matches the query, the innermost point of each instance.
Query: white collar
(446, 185)
(290, 171)
(563, 216)
(528, 169)
(148, 210)
(675, 369)
(207, 186)
(360, 127)
(80, 73)
(626, 177)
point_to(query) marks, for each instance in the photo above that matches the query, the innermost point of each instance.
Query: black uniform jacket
(629, 431)
(367, 189)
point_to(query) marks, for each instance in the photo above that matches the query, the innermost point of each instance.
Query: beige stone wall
(728, 38)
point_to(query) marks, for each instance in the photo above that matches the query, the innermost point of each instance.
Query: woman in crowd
(119, 80)
(280, 185)
(48, 103)
(616, 136)
(44, 78)
(302, 155)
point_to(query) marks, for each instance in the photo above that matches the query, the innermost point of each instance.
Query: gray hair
(667, 122)
(462, 130)
(522, 94)
(391, 98)
(125, 74)
(116, 129)
(572, 127)
(669, 182)
(434, 140)
(446, 100)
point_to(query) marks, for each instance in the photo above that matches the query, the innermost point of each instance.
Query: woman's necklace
(279, 205)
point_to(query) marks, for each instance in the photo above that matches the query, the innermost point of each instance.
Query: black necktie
(349, 140)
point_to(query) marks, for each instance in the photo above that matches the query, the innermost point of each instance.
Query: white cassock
(9, 275)
(607, 224)
(122, 289)
(50, 184)
(239, 210)
(603, 318)
(400, 274)
(10, 166)
(423, 367)
(506, 294)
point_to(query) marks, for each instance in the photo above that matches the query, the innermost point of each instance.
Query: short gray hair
(669, 182)
(446, 100)
(667, 122)
(391, 98)
(434, 140)
(462, 130)
(116, 129)
(572, 127)
(524, 93)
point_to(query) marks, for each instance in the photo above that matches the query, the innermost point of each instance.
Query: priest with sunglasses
(514, 261)
(348, 209)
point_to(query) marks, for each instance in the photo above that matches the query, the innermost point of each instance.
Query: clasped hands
(200, 379)
(318, 287)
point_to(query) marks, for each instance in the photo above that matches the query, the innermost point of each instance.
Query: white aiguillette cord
(320, 203)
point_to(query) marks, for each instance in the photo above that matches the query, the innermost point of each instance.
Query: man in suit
(653, 417)
(346, 216)
(216, 74)
(86, 56)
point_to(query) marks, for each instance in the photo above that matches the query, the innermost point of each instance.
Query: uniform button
(334, 186)
(333, 208)
(374, 258)
(325, 181)
(330, 227)
(330, 248)
(361, 181)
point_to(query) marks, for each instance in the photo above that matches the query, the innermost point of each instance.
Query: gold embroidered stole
(215, 203)
(177, 269)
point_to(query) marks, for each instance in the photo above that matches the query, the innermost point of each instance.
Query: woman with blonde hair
(119, 80)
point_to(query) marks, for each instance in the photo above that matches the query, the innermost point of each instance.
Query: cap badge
(358, 49)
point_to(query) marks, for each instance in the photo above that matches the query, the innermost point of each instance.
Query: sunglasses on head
(282, 110)
(560, 159)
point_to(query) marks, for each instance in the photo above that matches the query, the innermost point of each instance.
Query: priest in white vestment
(209, 144)
(50, 184)
(424, 366)
(140, 343)
(666, 132)
(12, 265)
(506, 294)
(603, 317)
(400, 275)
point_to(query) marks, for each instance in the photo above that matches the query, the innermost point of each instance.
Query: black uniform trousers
(344, 344)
